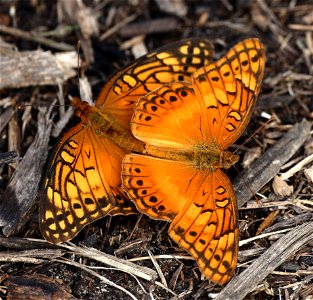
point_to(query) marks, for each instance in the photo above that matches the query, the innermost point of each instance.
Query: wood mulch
(132, 257)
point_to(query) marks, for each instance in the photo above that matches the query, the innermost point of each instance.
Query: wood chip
(309, 174)
(177, 7)
(250, 156)
(281, 187)
(77, 13)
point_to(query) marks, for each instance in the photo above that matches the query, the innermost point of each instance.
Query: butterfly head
(227, 159)
(82, 108)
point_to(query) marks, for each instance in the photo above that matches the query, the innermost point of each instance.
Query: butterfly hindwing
(200, 204)
(174, 62)
(146, 180)
(79, 187)
(207, 227)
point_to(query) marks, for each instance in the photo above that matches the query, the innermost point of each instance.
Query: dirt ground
(273, 179)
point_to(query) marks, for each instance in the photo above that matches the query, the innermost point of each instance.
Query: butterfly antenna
(257, 131)
(78, 62)
(246, 141)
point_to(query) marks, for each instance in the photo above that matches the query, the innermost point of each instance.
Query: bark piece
(8, 157)
(19, 196)
(31, 68)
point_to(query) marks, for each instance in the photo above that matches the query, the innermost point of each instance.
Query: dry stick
(24, 243)
(298, 167)
(117, 27)
(8, 113)
(265, 168)
(285, 247)
(36, 256)
(110, 260)
(35, 37)
(151, 26)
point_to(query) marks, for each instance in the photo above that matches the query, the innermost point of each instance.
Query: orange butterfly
(188, 127)
(83, 179)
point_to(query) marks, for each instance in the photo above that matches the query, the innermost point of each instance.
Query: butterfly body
(187, 129)
(201, 157)
(105, 126)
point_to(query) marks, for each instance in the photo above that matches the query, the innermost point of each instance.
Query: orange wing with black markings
(82, 186)
(187, 128)
(173, 62)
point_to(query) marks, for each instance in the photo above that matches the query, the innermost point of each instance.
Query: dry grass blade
(285, 247)
(157, 266)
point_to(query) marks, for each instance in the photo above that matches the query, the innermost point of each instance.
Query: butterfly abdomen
(106, 127)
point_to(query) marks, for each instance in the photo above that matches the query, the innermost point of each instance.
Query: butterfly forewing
(170, 117)
(229, 88)
(174, 62)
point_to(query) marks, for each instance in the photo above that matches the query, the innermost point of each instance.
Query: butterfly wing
(170, 117)
(174, 62)
(213, 111)
(81, 184)
(148, 182)
(229, 88)
(201, 206)
(207, 226)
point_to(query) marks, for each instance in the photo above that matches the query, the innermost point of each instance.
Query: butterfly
(82, 182)
(187, 128)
